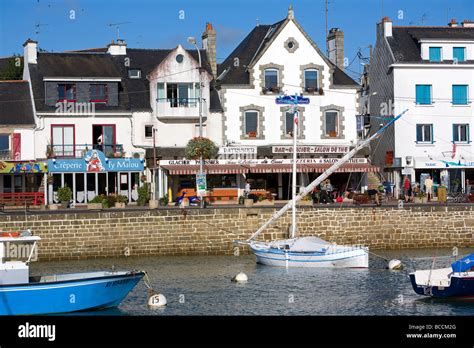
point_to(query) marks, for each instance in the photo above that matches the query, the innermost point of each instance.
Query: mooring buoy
(157, 300)
(395, 265)
(240, 278)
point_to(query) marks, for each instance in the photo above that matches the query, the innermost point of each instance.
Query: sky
(61, 25)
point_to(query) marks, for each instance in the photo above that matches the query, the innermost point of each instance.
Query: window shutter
(458, 54)
(16, 146)
(161, 92)
(435, 54)
(455, 133)
(419, 132)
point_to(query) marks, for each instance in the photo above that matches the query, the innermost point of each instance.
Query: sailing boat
(310, 251)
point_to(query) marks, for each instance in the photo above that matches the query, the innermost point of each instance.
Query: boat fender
(395, 265)
(157, 300)
(240, 278)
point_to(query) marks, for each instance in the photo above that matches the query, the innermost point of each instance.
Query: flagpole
(295, 134)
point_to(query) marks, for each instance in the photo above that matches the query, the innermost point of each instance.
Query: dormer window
(271, 79)
(435, 54)
(67, 92)
(99, 93)
(459, 54)
(134, 73)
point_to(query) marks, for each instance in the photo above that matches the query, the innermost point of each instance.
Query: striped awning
(312, 168)
(209, 169)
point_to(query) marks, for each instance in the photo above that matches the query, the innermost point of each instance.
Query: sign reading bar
(312, 149)
(250, 162)
(238, 150)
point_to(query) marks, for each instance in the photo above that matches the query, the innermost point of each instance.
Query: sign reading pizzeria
(311, 149)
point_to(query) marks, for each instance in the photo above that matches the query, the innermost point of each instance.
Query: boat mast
(295, 135)
(322, 177)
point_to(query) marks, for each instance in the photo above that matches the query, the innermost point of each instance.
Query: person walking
(429, 187)
(406, 188)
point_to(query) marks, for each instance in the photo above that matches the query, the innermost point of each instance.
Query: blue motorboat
(22, 294)
(456, 282)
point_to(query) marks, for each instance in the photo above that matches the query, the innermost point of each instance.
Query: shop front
(21, 176)
(228, 177)
(93, 175)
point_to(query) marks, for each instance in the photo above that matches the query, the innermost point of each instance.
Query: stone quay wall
(78, 234)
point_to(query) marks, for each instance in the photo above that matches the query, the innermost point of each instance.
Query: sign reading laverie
(292, 99)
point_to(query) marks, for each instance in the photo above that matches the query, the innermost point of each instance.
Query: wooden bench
(21, 199)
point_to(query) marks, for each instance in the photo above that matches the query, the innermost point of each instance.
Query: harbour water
(201, 285)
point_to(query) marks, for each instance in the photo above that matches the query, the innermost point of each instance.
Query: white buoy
(240, 278)
(395, 265)
(157, 300)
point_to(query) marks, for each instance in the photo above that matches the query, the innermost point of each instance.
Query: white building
(430, 72)
(282, 59)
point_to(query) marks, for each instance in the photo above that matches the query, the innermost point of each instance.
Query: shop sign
(441, 164)
(201, 184)
(312, 149)
(23, 167)
(250, 162)
(238, 150)
(95, 161)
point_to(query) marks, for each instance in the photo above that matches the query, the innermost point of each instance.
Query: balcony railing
(79, 150)
(5, 155)
(180, 102)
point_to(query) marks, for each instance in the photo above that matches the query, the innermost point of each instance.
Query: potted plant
(50, 179)
(64, 196)
(200, 146)
(143, 195)
(49, 152)
(321, 91)
(420, 197)
(121, 201)
(96, 202)
(306, 200)
(164, 200)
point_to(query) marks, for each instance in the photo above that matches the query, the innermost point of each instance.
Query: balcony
(79, 150)
(179, 108)
(6, 155)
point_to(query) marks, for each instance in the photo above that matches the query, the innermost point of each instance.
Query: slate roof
(250, 47)
(405, 46)
(134, 94)
(15, 103)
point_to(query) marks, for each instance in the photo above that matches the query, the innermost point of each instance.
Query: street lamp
(192, 41)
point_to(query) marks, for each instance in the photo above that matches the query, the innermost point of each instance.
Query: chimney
(453, 23)
(117, 49)
(30, 51)
(387, 27)
(467, 23)
(291, 13)
(209, 44)
(335, 42)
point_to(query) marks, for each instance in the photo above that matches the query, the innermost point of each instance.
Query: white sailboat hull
(335, 256)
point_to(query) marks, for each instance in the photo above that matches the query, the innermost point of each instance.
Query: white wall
(447, 49)
(277, 54)
(442, 114)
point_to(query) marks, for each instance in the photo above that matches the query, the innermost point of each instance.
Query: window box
(332, 134)
(311, 90)
(252, 134)
(321, 91)
(269, 90)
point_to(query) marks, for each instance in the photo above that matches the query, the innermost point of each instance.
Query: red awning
(184, 169)
(312, 168)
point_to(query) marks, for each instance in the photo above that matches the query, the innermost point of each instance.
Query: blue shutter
(459, 94)
(419, 132)
(423, 94)
(435, 54)
(455, 133)
(458, 53)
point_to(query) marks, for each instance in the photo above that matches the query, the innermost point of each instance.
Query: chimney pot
(209, 44)
(467, 23)
(117, 49)
(30, 51)
(452, 23)
(335, 44)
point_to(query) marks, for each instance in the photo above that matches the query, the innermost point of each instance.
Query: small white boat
(309, 251)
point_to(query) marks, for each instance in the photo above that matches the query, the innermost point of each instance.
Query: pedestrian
(429, 187)
(247, 190)
(468, 187)
(406, 188)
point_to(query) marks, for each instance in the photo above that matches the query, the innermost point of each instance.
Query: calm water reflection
(200, 285)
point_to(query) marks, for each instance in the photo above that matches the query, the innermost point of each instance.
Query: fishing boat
(22, 294)
(455, 282)
(309, 251)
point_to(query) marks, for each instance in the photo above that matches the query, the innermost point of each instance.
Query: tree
(200, 146)
(13, 69)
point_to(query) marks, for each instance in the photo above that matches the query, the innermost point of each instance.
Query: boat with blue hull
(22, 294)
(455, 282)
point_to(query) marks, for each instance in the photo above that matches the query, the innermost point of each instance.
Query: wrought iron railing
(79, 150)
(180, 102)
(5, 155)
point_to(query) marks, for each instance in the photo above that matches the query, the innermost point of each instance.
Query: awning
(312, 168)
(209, 169)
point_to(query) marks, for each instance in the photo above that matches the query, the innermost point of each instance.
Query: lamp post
(192, 41)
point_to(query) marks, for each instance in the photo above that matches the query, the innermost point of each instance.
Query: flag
(296, 117)
(454, 151)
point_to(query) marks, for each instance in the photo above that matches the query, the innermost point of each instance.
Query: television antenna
(117, 26)
(37, 27)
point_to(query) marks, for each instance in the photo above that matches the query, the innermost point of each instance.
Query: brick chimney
(335, 42)
(467, 23)
(452, 23)
(209, 44)
(30, 52)
(117, 49)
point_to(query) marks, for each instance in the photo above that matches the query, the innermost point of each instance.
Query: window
(4, 146)
(423, 94)
(461, 133)
(67, 92)
(310, 80)
(134, 73)
(424, 133)
(103, 139)
(180, 94)
(289, 123)
(271, 79)
(62, 140)
(459, 94)
(331, 121)
(148, 131)
(99, 93)
(435, 54)
(458, 54)
(179, 58)
(251, 123)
